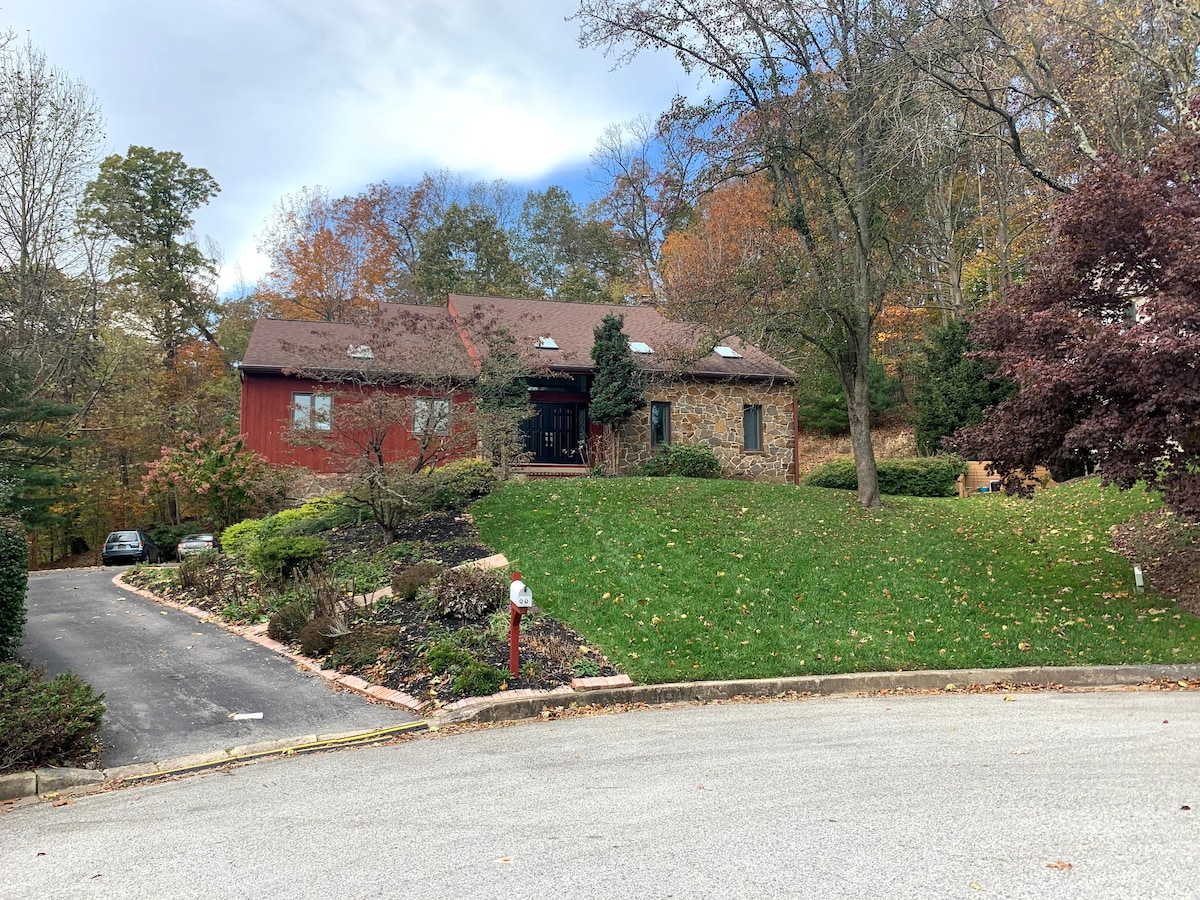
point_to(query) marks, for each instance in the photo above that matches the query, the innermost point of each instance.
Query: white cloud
(272, 95)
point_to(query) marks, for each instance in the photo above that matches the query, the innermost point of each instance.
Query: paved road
(171, 682)
(951, 796)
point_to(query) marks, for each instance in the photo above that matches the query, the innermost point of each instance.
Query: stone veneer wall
(710, 412)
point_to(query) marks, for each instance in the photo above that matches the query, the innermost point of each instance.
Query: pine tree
(618, 388)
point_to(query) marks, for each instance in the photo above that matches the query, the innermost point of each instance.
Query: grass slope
(678, 579)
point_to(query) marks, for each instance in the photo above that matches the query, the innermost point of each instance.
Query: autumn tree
(1102, 340)
(814, 97)
(647, 172)
(145, 200)
(329, 259)
(215, 477)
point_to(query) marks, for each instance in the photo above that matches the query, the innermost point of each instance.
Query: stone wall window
(660, 423)
(312, 411)
(752, 428)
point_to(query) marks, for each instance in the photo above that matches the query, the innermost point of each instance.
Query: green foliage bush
(687, 460)
(924, 476)
(278, 557)
(446, 656)
(466, 593)
(14, 571)
(239, 539)
(821, 405)
(458, 483)
(168, 536)
(409, 582)
(478, 679)
(43, 722)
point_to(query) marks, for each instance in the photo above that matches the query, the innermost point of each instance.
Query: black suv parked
(128, 547)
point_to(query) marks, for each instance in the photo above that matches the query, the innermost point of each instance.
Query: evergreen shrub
(923, 476)
(14, 571)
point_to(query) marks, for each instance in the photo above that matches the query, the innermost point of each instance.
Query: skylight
(640, 347)
(726, 352)
(547, 343)
(360, 351)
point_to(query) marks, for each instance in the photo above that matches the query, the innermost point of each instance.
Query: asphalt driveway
(173, 684)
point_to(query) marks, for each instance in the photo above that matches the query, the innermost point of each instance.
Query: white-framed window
(312, 411)
(752, 428)
(431, 415)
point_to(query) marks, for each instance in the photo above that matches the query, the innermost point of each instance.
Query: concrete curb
(499, 708)
(66, 781)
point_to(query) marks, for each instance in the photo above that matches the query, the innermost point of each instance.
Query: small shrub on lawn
(285, 623)
(362, 647)
(409, 582)
(317, 637)
(467, 593)
(925, 476)
(478, 679)
(45, 723)
(685, 460)
(238, 540)
(14, 571)
(276, 559)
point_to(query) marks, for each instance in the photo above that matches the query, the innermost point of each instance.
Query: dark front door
(552, 434)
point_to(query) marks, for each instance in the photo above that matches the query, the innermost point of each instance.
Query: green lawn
(678, 579)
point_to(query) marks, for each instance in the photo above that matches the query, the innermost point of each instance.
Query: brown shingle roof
(421, 340)
(678, 346)
(425, 340)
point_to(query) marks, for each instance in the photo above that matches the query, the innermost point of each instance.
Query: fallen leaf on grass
(1024, 645)
(505, 859)
(1061, 864)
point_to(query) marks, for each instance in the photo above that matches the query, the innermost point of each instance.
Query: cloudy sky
(273, 95)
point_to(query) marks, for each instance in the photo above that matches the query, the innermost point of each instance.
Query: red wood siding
(266, 417)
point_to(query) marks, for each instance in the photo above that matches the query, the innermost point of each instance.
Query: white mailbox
(520, 595)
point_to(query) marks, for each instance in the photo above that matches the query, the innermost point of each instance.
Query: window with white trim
(431, 415)
(312, 411)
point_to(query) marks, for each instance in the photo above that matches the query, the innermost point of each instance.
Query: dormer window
(726, 352)
(547, 343)
(640, 347)
(360, 351)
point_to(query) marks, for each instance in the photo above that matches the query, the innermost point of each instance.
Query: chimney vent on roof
(547, 343)
(726, 352)
(360, 351)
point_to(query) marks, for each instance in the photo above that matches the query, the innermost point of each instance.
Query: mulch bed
(402, 631)
(1168, 550)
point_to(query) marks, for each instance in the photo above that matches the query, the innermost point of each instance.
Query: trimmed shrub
(316, 638)
(445, 656)
(240, 539)
(409, 582)
(458, 483)
(44, 723)
(686, 460)
(285, 623)
(278, 557)
(14, 571)
(478, 679)
(467, 593)
(923, 476)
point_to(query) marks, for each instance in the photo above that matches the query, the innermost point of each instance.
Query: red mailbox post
(520, 599)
